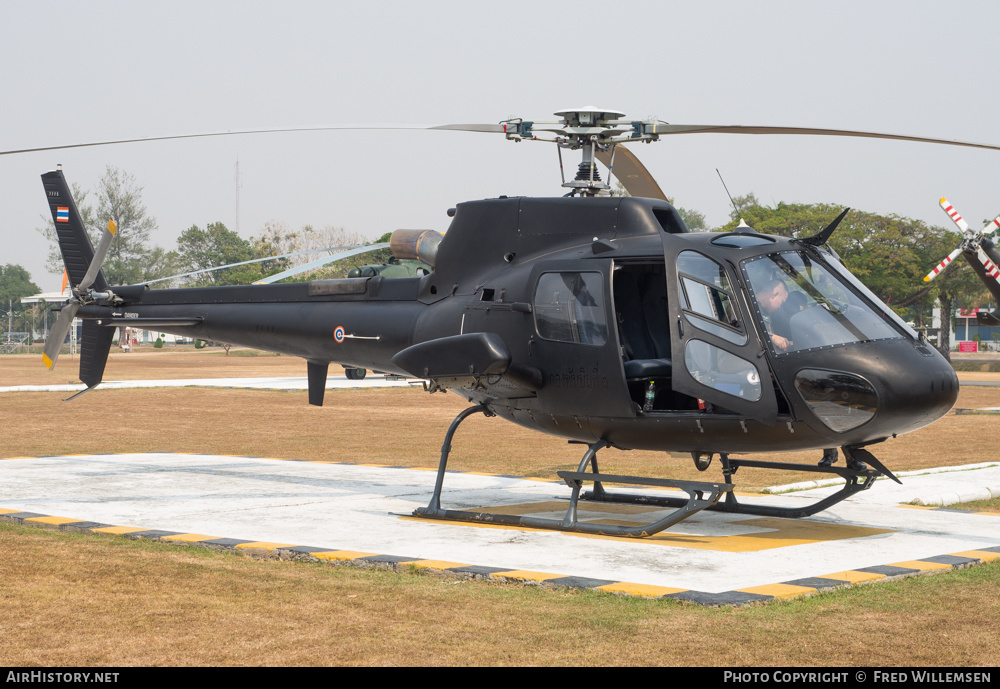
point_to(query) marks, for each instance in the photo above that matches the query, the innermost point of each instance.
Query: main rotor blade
(632, 174)
(485, 128)
(254, 260)
(490, 128)
(57, 335)
(664, 129)
(659, 128)
(321, 262)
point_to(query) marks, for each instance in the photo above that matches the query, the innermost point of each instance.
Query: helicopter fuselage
(603, 319)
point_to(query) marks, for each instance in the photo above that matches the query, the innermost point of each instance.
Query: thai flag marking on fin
(62, 214)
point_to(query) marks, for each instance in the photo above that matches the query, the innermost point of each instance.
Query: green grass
(978, 505)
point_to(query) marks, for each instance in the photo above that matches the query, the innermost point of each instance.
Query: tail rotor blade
(58, 334)
(99, 255)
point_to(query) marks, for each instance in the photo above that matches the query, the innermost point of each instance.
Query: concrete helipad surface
(356, 512)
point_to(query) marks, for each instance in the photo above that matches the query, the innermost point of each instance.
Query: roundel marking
(338, 334)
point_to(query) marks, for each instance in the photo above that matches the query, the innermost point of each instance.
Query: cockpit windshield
(803, 304)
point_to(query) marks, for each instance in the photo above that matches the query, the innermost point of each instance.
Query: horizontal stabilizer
(149, 323)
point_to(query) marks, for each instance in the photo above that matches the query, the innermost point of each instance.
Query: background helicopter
(595, 318)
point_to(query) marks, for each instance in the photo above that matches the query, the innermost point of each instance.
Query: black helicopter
(597, 318)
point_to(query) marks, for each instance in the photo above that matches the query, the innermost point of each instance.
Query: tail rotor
(82, 294)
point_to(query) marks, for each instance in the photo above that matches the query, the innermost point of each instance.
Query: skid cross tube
(856, 481)
(701, 495)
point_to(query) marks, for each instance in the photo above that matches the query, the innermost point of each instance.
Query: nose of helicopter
(870, 391)
(920, 389)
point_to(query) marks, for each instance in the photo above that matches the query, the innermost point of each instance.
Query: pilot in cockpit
(771, 300)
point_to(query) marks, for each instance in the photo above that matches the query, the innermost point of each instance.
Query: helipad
(363, 513)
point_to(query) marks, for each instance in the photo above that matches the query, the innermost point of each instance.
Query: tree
(15, 282)
(119, 198)
(216, 246)
(335, 237)
(130, 259)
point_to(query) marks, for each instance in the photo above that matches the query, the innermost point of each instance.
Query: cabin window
(707, 297)
(569, 307)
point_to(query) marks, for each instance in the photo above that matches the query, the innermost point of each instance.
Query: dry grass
(155, 364)
(89, 600)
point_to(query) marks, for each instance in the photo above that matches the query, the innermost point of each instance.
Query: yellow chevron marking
(917, 564)
(984, 555)
(435, 564)
(52, 520)
(853, 576)
(779, 590)
(117, 530)
(189, 537)
(341, 555)
(645, 590)
(265, 545)
(526, 574)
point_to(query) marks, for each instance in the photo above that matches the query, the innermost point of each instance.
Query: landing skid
(856, 481)
(701, 495)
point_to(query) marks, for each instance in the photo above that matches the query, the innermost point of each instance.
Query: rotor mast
(590, 130)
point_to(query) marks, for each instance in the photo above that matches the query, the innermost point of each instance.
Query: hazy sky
(84, 71)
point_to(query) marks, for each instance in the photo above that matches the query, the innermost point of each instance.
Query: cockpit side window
(569, 307)
(706, 297)
(802, 304)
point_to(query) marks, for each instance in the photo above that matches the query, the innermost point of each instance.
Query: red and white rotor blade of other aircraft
(955, 216)
(991, 268)
(943, 264)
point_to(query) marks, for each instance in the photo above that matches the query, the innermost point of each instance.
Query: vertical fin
(77, 251)
(94, 352)
(317, 381)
